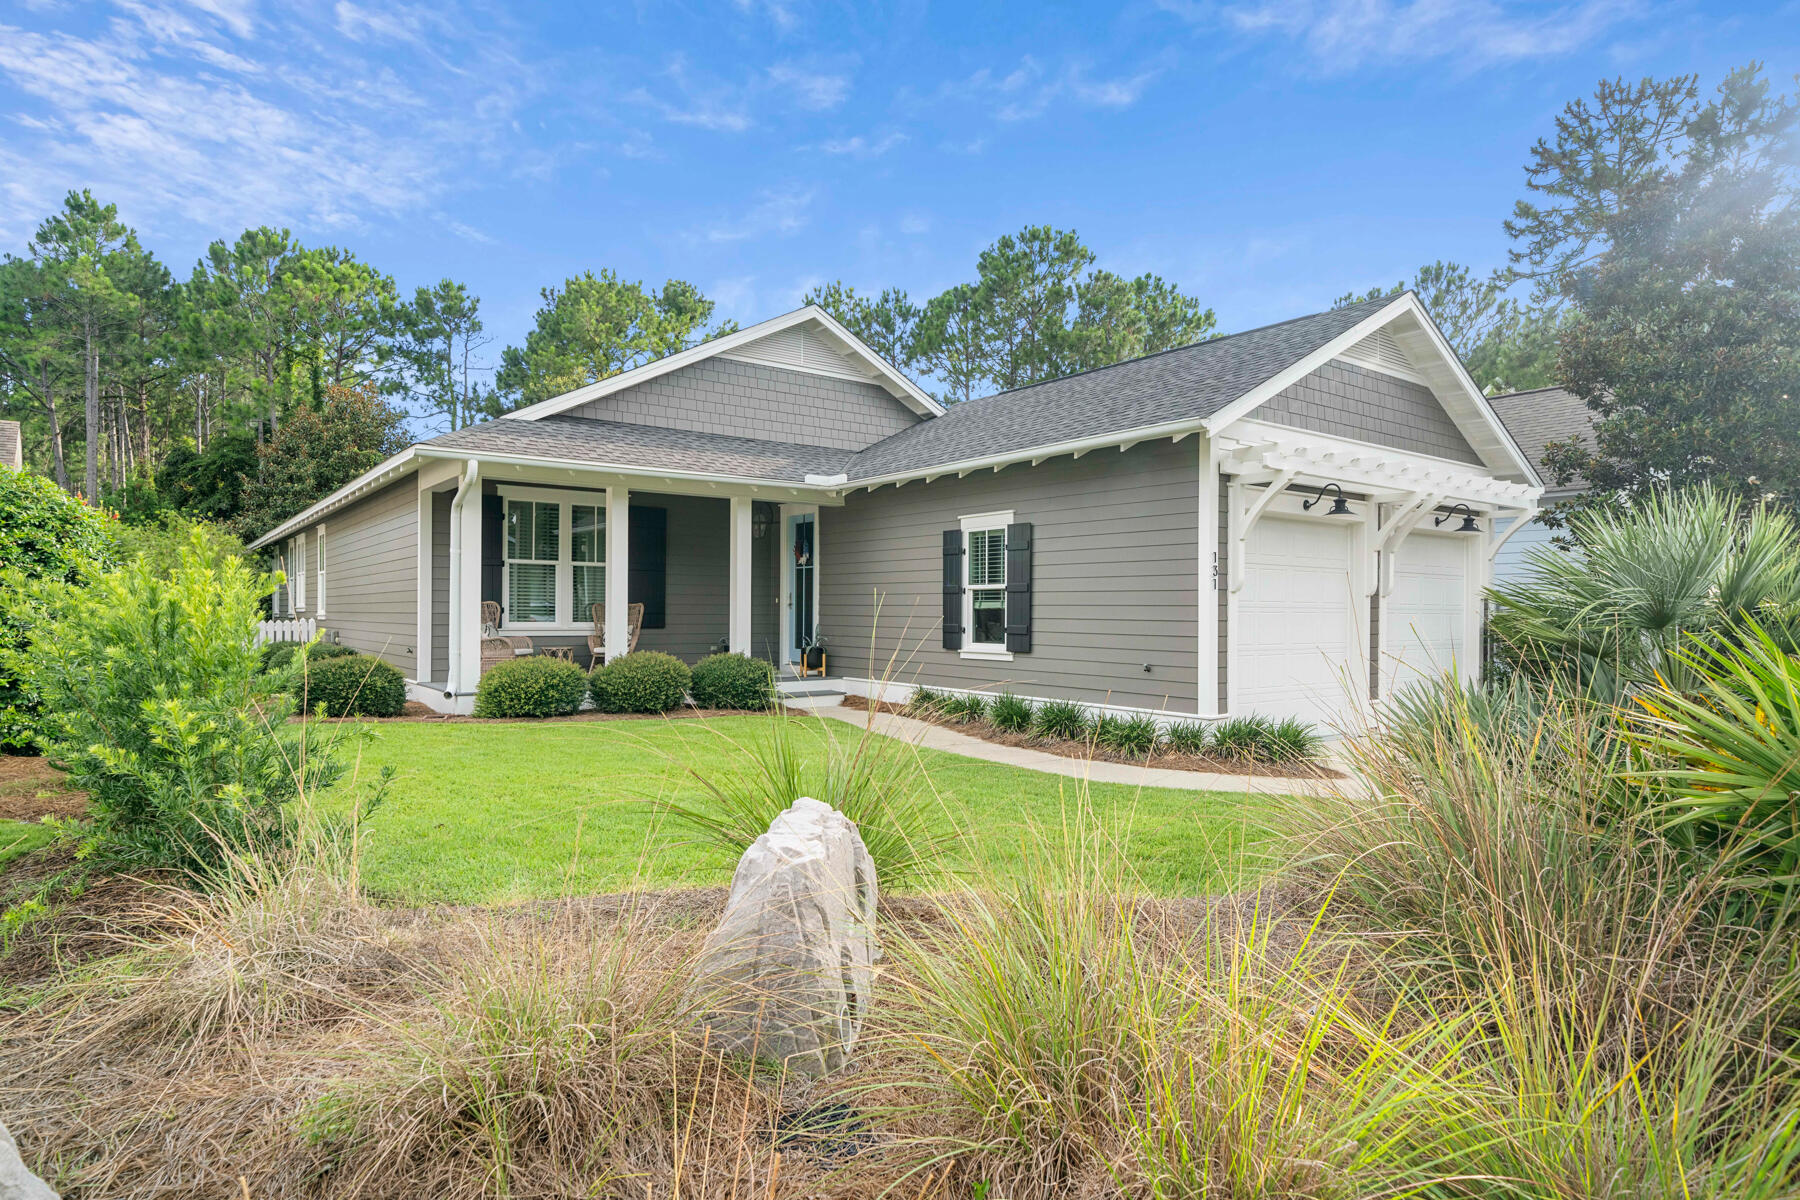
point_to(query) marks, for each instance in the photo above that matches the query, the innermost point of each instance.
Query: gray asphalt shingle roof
(1183, 384)
(614, 443)
(1187, 383)
(1539, 417)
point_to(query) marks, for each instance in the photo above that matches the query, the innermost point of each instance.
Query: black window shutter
(953, 589)
(493, 548)
(649, 560)
(1018, 587)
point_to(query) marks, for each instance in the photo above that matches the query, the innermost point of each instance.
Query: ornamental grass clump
(1063, 719)
(1187, 737)
(1010, 714)
(1126, 735)
(644, 681)
(534, 686)
(734, 681)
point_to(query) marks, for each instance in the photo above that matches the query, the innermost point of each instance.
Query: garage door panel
(1297, 631)
(1427, 616)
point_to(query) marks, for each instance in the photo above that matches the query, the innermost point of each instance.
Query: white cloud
(820, 91)
(1344, 34)
(915, 224)
(862, 147)
(703, 104)
(1029, 89)
(778, 211)
(212, 115)
(781, 15)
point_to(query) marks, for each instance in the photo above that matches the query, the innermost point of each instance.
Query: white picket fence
(300, 629)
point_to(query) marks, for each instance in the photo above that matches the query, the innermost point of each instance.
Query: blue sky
(1265, 156)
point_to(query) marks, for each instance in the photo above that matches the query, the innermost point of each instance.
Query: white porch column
(618, 570)
(739, 629)
(1210, 567)
(468, 585)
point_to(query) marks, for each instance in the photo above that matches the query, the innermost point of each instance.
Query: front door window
(800, 584)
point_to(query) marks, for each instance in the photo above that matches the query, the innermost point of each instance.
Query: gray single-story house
(1536, 418)
(1283, 521)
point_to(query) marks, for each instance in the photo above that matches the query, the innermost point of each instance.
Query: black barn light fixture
(1468, 522)
(1339, 506)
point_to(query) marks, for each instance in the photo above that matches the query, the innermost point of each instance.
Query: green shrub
(1010, 714)
(277, 655)
(154, 709)
(963, 709)
(644, 681)
(925, 702)
(1187, 737)
(1246, 739)
(1126, 735)
(1293, 740)
(733, 681)
(45, 534)
(536, 686)
(1062, 719)
(350, 685)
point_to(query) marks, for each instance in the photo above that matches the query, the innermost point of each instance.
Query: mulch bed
(30, 789)
(1165, 759)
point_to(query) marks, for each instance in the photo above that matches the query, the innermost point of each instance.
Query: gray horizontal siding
(698, 579)
(440, 584)
(765, 588)
(750, 400)
(1344, 399)
(372, 574)
(1115, 578)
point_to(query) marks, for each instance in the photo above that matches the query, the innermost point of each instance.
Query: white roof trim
(1501, 452)
(380, 473)
(885, 373)
(635, 470)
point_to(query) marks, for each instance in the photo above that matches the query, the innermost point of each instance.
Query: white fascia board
(1329, 458)
(1124, 438)
(379, 474)
(895, 381)
(627, 469)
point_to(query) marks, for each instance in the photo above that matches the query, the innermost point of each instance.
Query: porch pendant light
(1468, 522)
(1339, 506)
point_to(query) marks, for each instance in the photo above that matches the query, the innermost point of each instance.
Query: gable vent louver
(1381, 351)
(801, 347)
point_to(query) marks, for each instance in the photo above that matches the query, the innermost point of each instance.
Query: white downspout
(456, 552)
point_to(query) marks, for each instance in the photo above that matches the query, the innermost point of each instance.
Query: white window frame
(319, 566)
(984, 651)
(297, 586)
(566, 620)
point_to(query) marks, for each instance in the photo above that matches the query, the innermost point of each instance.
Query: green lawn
(21, 837)
(490, 813)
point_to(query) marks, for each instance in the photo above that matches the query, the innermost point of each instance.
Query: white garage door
(1296, 634)
(1426, 619)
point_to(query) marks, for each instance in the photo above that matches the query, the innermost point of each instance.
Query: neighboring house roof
(615, 443)
(1540, 416)
(1187, 383)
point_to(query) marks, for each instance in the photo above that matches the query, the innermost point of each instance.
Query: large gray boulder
(787, 974)
(16, 1180)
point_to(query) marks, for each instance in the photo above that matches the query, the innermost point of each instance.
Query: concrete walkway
(937, 737)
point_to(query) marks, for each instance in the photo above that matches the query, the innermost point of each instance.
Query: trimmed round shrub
(352, 685)
(1126, 735)
(644, 681)
(1010, 714)
(277, 655)
(535, 686)
(733, 681)
(1187, 737)
(1061, 719)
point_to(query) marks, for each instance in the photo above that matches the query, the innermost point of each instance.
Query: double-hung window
(299, 585)
(555, 558)
(319, 561)
(984, 583)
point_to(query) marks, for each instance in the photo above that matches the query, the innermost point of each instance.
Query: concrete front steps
(810, 693)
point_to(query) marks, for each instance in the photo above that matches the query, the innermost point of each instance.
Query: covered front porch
(565, 555)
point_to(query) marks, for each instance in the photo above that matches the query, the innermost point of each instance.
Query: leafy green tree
(952, 341)
(1028, 285)
(1505, 344)
(887, 324)
(1119, 319)
(595, 326)
(317, 450)
(34, 356)
(45, 534)
(1670, 226)
(208, 483)
(434, 359)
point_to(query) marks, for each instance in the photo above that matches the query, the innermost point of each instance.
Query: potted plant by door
(813, 652)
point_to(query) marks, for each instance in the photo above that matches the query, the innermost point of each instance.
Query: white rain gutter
(469, 475)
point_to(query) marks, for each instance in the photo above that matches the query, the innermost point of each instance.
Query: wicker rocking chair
(497, 648)
(634, 625)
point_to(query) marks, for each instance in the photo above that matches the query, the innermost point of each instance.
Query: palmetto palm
(1642, 581)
